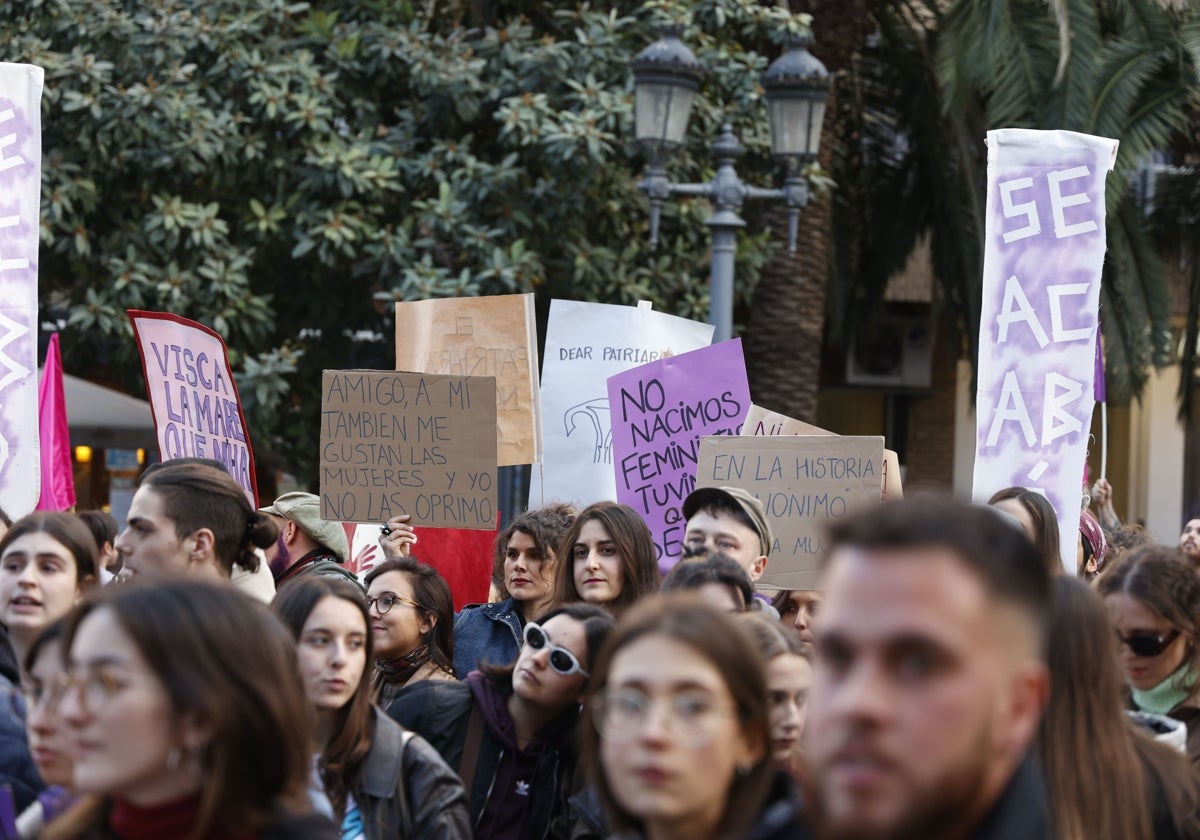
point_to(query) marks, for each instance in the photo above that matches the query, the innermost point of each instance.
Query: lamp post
(667, 78)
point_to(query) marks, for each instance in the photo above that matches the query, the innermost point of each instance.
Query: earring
(173, 756)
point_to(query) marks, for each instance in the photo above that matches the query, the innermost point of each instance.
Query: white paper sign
(585, 344)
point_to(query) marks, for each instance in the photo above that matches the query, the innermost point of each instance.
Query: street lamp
(667, 78)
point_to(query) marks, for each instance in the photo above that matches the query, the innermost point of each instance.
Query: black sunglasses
(1147, 644)
(561, 659)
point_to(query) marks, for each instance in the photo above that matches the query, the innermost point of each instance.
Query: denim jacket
(486, 632)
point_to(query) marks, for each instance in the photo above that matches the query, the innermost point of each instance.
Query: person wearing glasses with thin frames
(412, 626)
(511, 731)
(1153, 600)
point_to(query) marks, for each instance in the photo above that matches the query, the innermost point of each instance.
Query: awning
(103, 418)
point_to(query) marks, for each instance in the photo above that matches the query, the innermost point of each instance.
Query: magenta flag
(58, 473)
(660, 411)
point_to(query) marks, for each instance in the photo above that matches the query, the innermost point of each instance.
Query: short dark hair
(431, 591)
(1001, 556)
(102, 525)
(196, 496)
(713, 568)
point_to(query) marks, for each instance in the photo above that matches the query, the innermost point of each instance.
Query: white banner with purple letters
(1042, 257)
(20, 209)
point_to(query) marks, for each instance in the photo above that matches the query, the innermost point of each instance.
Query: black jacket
(440, 712)
(1022, 812)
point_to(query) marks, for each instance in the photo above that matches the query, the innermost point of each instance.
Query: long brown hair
(224, 660)
(721, 640)
(1045, 523)
(1166, 584)
(1094, 761)
(633, 541)
(343, 758)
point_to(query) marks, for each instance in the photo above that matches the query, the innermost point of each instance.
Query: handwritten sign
(761, 422)
(1043, 252)
(194, 400)
(802, 481)
(586, 343)
(395, 442)
(20, 208)
(661, 411)
(481, 336)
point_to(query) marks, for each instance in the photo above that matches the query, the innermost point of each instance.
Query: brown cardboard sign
(395, 442)
(802, 481)
(481, 336)
(761, 422)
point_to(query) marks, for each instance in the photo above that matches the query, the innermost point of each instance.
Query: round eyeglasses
(384, 603)
(690, 718)
(561, 660)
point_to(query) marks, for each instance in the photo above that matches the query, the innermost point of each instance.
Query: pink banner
(1043, 254)
(58, 471)
(659, 413)
(197, 411)
(20, 209)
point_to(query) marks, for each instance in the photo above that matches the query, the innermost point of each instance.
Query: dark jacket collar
(1021, 812)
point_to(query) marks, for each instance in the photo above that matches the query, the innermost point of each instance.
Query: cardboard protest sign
(481, 336)
(395, 442)
(1043, 252)
(761, 422)
(194, 400)
(660, 411)
(586, 343)
(20, 212)
(802, 481)
(462, 557)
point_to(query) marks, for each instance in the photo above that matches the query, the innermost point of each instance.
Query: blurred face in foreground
(925, 696)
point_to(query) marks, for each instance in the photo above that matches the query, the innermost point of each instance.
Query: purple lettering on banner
(20, 206)
(1043, 254)
(660, 411)
(197, 411)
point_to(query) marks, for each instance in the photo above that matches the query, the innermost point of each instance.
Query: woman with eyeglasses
(49, 743)
(676, 733)
(612, 557)
(378, 781)
(412, 626)
(183, 702)
(510, 731)
(1153, 600)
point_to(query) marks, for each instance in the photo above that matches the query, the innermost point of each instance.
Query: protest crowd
(216, 671)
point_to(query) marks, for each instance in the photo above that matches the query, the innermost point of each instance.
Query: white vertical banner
(586, 343)
(1042, 259)
(20, 211)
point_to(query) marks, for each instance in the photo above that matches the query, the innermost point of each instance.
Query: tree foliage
(282, 171)
(912, 161)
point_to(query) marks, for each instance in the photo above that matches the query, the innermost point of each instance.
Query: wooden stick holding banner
(193, 397)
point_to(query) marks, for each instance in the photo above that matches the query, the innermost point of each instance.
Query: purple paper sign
(659, 413)
(1037, 336)
(20, 206)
